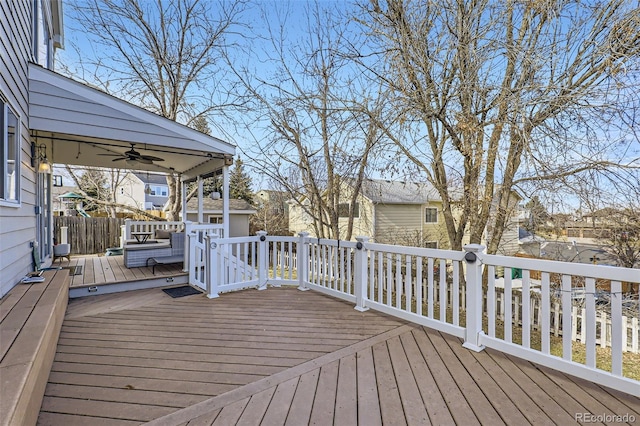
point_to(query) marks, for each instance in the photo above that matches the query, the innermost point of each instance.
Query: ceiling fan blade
(119, 159)
(151, 158)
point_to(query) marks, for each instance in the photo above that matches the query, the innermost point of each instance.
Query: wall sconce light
(39, 157)
(215, 195)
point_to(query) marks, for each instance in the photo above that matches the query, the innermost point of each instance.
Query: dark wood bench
(164, 260)
(31, 317)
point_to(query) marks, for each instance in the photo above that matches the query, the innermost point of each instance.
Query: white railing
(149, 226)
(444, 290)
(196, 252)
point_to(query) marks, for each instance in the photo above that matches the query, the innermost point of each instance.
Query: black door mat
(185, 290)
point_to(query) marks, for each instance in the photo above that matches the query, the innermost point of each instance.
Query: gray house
(145, 191)
(48, 118)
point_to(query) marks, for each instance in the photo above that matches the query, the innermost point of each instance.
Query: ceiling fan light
(131, 161)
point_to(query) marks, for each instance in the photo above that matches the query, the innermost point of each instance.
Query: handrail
(454, 292)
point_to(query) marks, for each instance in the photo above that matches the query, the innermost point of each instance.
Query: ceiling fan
(133, 156)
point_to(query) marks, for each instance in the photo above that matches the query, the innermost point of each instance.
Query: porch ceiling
(76, 123)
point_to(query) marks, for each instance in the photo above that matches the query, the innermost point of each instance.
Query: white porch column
(183, 210)
(225, 201)
(200, 200)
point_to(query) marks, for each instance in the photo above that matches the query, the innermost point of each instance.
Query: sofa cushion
(177, 243)
(163, 233)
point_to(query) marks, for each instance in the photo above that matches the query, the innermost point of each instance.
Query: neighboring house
(240, 213)
(403, 213)
(144, 191)
(47, 118)
(510, 240)
(389, 212)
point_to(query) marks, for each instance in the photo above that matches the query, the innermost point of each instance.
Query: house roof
(397, 192)
(80, 125)
(236, 206)
(152, 178)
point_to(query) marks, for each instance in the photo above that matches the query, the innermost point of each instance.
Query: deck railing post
(360, 275)
(263, 255)
(302, 261)
(127, 230)
(474, 298)
(187, 245)
(212, 276)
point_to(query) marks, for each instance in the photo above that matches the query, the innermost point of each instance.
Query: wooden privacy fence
(89, 235)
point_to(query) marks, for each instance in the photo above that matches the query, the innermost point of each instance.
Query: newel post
(474, 298)
(360, 274)
(188, 237)
(263, 255)
(127, 230)
(211, 259)
(302, 261)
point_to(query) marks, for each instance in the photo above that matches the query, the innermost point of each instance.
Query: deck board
(286, 357)
(103, 270)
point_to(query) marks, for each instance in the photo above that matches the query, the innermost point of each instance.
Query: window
(215, 219)
(10, 130)
(431, 215)
(343, 210)
(161, 191)
(431, 244)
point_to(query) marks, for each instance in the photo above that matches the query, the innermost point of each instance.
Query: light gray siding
(17, 223)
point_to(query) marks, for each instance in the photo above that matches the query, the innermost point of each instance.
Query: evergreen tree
(240, 183)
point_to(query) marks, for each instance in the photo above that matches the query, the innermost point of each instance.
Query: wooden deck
(282, 356)
(99, 270)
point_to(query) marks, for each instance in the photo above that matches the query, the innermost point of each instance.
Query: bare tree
(495, 95)
(163, 56)
(100, 192)
(316, 131)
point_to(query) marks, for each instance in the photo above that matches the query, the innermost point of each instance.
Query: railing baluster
(389, 286)
(508, 306)
(566, 318)
(456, 294)
(443, 290)
(545, 328)
(491, 301)
(380, 277)
(616, 328)
(408, 284)
(589, 323)
(419, 285)
(526, 309)
(398, 280)
(430, 287)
